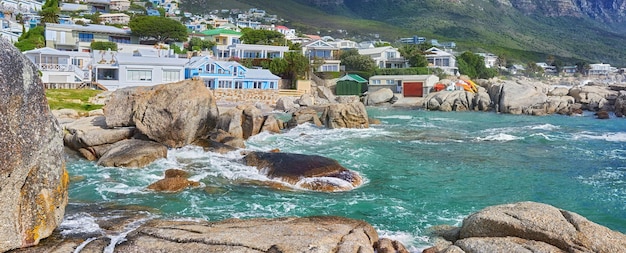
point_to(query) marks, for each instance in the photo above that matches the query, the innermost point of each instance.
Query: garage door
(413, 89)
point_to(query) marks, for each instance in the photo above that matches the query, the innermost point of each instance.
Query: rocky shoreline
(139, 125)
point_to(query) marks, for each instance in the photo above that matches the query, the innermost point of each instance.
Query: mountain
(519, 30)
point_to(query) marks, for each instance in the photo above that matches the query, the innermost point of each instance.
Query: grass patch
(77, 99)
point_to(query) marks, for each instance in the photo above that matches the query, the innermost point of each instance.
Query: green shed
(351, 84)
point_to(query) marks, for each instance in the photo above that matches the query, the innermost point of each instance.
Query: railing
(57, 67)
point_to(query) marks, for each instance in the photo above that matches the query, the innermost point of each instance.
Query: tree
(414, 54)
(297, 66)
(359, 63)
(262, 37)
(532, 69)
(582, 67)
(473, 65)
(160, 29)
(103, 45)
(198, 44)
(32, 39)
(95, 18)
(278, 66)
(381, 44)
(50, 12)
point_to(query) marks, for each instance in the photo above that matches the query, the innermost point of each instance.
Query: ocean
(421, 169)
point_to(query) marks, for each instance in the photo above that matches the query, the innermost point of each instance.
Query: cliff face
(611, 11)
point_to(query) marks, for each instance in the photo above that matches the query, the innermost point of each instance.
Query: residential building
(115, 70)
(61, 69)
(438, 58)
(114, 18)
(599, 69)
(248, 24)
(223, 39)
(20, 6)
(343, 44)
(102, 6)
(322, 55)
(79, 37)
(289, 33)
(407, 85)
(119, 5)
(10, 30)
(229, 74)
(548, 69)
(386, 57)
(517, 69)
(570, 70)
(489, 58)
(413, 40)
(251, 51)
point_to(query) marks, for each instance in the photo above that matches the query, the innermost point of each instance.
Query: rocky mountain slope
(519, 30)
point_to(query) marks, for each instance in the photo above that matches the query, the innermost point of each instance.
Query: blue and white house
(229, 74)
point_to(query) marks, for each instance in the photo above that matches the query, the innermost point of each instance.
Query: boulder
(620, 104)
(286, 104)
(132, 153)
(594, 98)
(482, 100)
(33, 178)
(304, 115)
(272, 124)
(214, 146)
(519, 97)
(386, 245)
(379, 96)
(174, 114)
(306, 171)
(351, 115)
(66, 113)
(309, 234)
(231, 122)
(559, 104)
(252, 121)
(325, 93)
(559, 91)
(226, 138)
(306, 100)
(348, 99)
(446, 101)
(175, 180)
(504, 244)
(602, 115)
(537, 224)
(93, 131)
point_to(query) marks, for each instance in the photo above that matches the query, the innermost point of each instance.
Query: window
(119, 39)
(171, 75)
(77, 62)
(375, 81)
(224, 84)
(238, 85)
(390, 82)
(257, 85)
(107, 74)
(85, 37)
(139, 75)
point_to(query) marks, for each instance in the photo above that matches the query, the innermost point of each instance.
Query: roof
(220, 31)
(89, 28)
(353, 77)
(376, 50)
(127, 59)
(261, 74)
(402, 77)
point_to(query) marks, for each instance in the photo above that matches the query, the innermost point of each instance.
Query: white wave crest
(500, 137)
(404, 117)
(80, 224)
(611, 137)
(548, 127)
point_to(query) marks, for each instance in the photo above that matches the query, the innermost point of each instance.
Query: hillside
(522, 30)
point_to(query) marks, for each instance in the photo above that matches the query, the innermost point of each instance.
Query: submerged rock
(132, 153)
(33, 178)
(307, 171)
(175, 180)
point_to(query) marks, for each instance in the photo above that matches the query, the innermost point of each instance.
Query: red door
(413, 89)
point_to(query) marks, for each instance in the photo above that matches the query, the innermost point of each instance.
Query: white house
(343, 44)
(386, 57)
(599, 69)
(252, 51)
(118, 70)
(114, 18)
(323, 52)
(61, 69)
(438, 58)
(489, 58)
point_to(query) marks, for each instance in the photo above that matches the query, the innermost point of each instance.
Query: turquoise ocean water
(421, 169)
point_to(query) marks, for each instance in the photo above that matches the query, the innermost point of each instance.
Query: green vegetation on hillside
(77, 99)
(478, 26)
